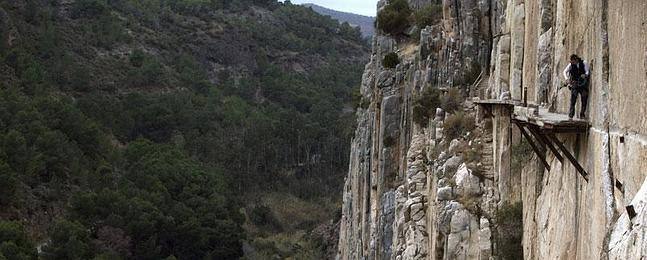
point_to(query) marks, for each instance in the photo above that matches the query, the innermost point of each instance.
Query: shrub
(262, 216)
(425, 106)
(394, 18)
(391, 60)
(458, 124)
(509, 220)
(451, 101)
(429, 15)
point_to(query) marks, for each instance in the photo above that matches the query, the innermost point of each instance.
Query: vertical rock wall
(412, 193)
(565, 216)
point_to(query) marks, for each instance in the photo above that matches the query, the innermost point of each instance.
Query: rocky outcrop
(414, 193)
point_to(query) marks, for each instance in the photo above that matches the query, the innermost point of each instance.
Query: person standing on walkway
(577, 75)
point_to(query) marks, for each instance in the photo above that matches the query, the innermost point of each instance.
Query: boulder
(467, 184)
(444, 193)
(451, 165)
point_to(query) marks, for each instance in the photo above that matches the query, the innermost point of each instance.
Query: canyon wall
(413, 192)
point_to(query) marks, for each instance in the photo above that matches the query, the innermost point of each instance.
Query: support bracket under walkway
(539, 127)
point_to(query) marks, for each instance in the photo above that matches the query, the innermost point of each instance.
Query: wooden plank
(564, 130)
(542, 157)
(550, 121)
(495, 102)
(540, 136)
(570, 157)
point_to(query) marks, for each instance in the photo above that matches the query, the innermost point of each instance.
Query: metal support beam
(542, 138)
(541, 155)
(568, 155)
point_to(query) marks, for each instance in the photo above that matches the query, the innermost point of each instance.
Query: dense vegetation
(139, 129)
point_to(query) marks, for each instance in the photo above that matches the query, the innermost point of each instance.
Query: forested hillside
(177, 129)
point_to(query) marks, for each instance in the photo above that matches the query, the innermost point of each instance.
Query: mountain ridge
(365, 23)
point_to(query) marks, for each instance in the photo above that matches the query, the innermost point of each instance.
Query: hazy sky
(365, 7)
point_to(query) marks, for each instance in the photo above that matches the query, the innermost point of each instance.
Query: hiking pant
(584, 94)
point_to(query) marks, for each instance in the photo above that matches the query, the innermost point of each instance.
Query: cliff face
(413, 192)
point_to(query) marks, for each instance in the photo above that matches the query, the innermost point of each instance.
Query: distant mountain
(366, 23)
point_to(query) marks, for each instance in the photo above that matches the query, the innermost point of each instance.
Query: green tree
(428, 15)
(14, 242)
(425, 105)
(394, 18)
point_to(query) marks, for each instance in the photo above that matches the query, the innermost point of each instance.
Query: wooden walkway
(539, 127)
(550, 122)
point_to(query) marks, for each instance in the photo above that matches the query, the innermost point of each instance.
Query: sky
(363, 7)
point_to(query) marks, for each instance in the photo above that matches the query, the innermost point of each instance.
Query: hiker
(577, 75)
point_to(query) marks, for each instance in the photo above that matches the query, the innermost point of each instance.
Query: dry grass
(296, 218)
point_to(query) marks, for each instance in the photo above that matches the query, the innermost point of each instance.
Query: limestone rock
(485, 239)
(451, 165)
(385, 79)
(467, 184)
(445, 193)
(440, 115)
